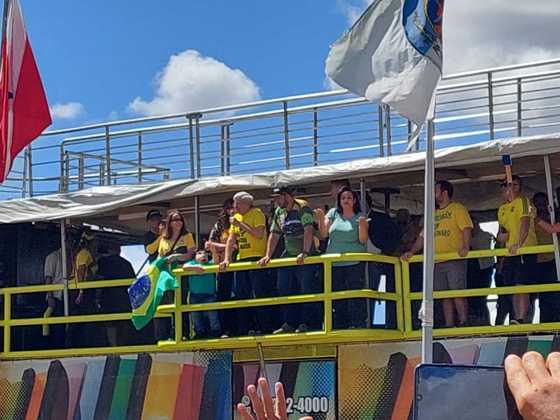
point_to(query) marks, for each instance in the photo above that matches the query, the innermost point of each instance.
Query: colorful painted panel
(144, 386)
(376, 381)
(309, 386)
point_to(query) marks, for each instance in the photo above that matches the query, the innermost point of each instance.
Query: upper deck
(285, 133)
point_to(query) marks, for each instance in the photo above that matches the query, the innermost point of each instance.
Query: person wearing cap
(516, 218)
(293, 220)
(153, 236)
(248, 234)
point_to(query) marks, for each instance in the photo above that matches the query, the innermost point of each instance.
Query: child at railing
(202, 289)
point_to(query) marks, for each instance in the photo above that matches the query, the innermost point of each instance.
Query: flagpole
(427, 314)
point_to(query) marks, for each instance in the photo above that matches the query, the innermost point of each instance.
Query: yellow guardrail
(409, 296)
(402, 296)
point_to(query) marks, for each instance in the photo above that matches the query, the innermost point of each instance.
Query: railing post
(519, 108)
(67, 170)
(191, 145)
(81, 171)
(222, 150)
(61, 182)
(388, 127)
(327, 285)
(406, 302)
(399, 293)
(24, 175)
(197, 220)
(30, 171)
(228, 150)
(198, 157)
(140, 159)
(108, 154)
(101, 173)
(380, 126)
(7, 319)
(178, 313)
(286, 135)
(315, 138)
(490, 106)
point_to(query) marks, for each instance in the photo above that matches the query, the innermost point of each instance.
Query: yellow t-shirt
(450, 222)
(248, 245)
(84, 258)
(182, 246)
(509, 218)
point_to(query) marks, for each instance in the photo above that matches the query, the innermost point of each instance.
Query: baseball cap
(153, 213)
(281, 190)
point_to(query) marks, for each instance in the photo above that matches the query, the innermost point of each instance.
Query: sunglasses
(505, 184)
(177, 220)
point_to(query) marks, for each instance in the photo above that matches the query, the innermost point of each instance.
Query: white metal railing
(296, 131)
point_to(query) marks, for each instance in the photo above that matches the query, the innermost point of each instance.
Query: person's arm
(271, 245)
(230, 246)
(256, 231)
(362, 230)
(416, 247)
(152, 247)
(307, 243)
(548, 227)
(523, 232)
(467, 235)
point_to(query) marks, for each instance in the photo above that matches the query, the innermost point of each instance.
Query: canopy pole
(427, 314)
(549, 189)
(64, 252)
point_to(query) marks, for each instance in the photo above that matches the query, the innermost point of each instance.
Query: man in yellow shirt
(248, 232)
(453, 228)
(516, 218)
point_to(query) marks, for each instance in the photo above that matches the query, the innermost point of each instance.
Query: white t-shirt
(53, 268)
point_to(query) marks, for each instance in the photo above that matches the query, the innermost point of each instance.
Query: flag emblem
(422, 21)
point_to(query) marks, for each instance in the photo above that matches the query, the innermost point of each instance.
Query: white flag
(392, 54)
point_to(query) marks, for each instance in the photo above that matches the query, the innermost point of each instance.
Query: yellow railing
(402, 296)
(409, 296)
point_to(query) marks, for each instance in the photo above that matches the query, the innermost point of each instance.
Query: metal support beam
(549, 191)
(228, 149)
(490, 106)
(388, 128)
(286, 135)
(519, 108)
(140, 157)
(380, 126)
(197, 220)
(64, 252)
(191, 146)
(108, 155)
(30, 171)
(198, 156)
(315, 138)
(429, 210)
(223, 150)
(81, 171)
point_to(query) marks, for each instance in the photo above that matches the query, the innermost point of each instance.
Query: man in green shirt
(293, 220)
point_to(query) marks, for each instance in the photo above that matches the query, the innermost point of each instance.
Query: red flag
(24, 112)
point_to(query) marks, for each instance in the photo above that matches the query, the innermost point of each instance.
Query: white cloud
(352, 9)
(191, 81)
(67, 111)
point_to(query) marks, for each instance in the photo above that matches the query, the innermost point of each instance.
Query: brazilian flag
(146, 292)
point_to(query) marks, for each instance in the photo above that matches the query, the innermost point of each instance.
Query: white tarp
(99, 200)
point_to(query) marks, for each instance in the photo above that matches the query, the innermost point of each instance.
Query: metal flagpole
(427, 314)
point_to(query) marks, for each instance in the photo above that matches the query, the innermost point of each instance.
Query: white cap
(243, 196)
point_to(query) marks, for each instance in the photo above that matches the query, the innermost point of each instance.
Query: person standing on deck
(293, 220)
(216, 244)
(248, 234)
(153, 235)
(347, 231)
(516, 218)
(453, 228)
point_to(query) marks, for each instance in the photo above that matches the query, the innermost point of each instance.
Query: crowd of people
(244, 233)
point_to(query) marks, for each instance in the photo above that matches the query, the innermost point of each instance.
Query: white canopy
(473, 163)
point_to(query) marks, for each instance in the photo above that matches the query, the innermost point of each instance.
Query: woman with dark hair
(177, 243)
(347, 232)
(216, 244)
(177, 247)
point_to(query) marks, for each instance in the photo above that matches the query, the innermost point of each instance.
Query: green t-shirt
(291, 225)
(344, 235)
(202, 283)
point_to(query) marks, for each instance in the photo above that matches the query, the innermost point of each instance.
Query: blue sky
(103, 54)
(97, 56)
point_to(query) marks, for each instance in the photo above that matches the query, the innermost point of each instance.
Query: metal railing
(291, 132)
(402, 296)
